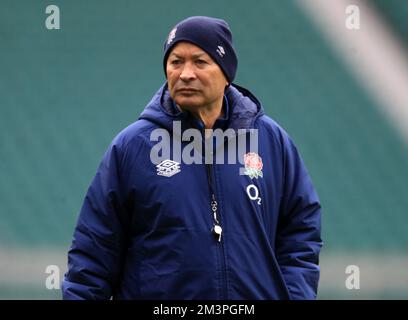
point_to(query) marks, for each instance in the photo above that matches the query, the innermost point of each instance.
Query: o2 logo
(253, 193)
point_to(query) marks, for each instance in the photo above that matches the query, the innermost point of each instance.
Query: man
(161, 228)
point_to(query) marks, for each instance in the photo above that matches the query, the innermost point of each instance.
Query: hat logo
(221, 51)
(172, 35)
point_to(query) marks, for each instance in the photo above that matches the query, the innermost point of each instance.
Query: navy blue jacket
(144, 235)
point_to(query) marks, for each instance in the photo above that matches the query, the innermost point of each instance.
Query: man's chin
(188, 104)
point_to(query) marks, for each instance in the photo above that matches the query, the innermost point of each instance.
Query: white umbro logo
(221, 51)
(168, 168)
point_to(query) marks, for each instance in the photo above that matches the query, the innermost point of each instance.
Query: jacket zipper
(217, 231)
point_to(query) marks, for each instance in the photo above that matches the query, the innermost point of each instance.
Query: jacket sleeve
(299, 228)
(95, 256)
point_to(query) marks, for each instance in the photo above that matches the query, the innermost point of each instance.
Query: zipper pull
(217, 230)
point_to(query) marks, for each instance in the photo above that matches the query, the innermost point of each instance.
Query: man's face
(194, 79)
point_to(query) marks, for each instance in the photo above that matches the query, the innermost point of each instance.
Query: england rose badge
(253, 165)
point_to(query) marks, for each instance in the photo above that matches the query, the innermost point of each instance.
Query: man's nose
(188, 73)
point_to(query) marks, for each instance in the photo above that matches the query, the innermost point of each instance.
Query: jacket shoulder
(266, 123)
(136, 132)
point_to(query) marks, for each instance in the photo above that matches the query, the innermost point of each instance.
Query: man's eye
(199, 61)
(175, 62)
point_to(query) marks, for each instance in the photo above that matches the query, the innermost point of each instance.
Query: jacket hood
(244, 109)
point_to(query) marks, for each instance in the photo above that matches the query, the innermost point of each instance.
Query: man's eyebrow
(196, 55)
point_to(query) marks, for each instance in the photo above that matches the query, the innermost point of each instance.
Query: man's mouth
(187, 90)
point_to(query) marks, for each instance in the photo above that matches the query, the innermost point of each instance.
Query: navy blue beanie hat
(210, 34)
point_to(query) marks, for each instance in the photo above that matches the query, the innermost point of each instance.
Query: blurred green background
(64, 95)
